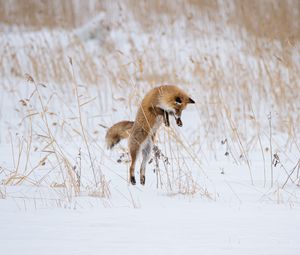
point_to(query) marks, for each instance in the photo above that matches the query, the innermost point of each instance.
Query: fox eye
(178, 100)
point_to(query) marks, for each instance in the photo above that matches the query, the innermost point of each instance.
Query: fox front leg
(166, 119)
(178, 120)
(158, 111)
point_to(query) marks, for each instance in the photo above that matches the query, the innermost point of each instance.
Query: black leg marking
(166, 119)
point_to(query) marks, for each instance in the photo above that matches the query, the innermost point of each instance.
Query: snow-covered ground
(227, 182)
(162, 226)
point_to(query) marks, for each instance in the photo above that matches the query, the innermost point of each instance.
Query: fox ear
(191, 101)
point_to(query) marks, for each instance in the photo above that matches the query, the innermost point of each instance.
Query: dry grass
(270, 19)
(51, 14)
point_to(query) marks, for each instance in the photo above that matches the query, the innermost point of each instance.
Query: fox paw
(179, 122)
(132, 180)
(143, 179)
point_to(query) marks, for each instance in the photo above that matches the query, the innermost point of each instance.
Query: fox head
(173, 100)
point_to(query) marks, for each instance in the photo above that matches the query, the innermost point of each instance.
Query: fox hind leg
(146, 151)
(133, 154)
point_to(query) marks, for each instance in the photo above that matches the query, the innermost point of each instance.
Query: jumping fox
(155, 109)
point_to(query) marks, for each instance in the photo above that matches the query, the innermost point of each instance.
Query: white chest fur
(166, 107)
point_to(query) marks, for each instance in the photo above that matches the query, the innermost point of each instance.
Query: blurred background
(273, 19)
(242, 50)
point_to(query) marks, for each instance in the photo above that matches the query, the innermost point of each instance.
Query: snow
(217, 189)
(162, 226)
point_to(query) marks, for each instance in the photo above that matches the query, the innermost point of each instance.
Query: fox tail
(117, 132)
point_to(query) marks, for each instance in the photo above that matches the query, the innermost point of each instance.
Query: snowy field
(227, 182)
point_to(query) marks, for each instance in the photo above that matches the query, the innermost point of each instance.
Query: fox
(156, 107)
